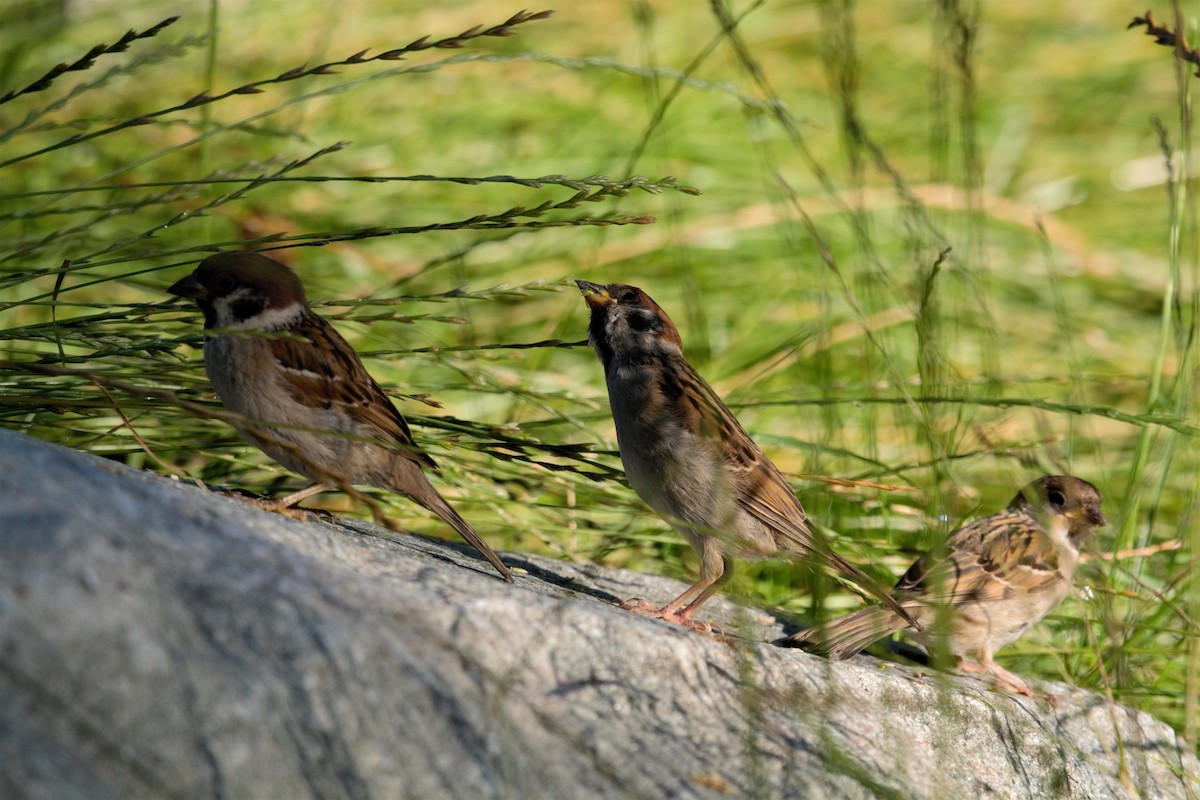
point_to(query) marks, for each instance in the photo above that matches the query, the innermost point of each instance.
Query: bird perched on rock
(688, 458)
(307, 400)
(992, 581)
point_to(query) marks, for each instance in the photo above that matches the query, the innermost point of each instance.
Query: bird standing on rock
(992, 581)
(688, 458)
(307, 400)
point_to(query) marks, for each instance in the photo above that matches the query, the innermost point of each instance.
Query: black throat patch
(598, 338)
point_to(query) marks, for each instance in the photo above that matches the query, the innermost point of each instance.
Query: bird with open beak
(687, 457)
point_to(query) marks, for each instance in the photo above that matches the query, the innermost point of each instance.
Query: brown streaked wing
(760, 489)
(768, 498)
(677, 383)
(990, 559)
(344, 384)
(757, 484)
(738, 449)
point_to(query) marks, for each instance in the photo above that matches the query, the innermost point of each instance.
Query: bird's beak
(595, 294)
(1093, 516)
(188, 287)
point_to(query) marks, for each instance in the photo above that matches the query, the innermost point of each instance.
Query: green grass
(1055, 335)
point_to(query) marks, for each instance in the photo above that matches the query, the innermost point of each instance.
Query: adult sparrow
(307, 400)
(688, 458)
(992, 581)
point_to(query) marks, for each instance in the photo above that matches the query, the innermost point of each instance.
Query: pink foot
(646, 609)
(276, 507)
(1004, 680)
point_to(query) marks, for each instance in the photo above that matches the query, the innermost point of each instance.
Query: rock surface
(159, 640)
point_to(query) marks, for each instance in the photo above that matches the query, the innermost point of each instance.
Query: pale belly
(680, 475)
(981, 629)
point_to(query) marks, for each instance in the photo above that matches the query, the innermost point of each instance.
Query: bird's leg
(715, 569)
(689, 610)
(295, 497)
(284, 505)
(1001, 678)
(670, 612)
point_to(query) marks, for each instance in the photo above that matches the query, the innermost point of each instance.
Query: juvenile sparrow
(314, 408)
(688, 458)
(992, 581)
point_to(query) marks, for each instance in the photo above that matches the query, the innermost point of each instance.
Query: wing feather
(325, 372)
(989, 560)
(760, 489)
(756, 483)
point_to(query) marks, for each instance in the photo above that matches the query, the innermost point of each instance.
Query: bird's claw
(644, 608)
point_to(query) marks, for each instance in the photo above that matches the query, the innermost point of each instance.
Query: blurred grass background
(937, 253)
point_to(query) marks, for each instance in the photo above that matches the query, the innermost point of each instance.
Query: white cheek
(271, 319)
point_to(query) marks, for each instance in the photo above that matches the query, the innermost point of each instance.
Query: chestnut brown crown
(242, 285)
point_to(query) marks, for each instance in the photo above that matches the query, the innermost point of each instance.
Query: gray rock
(159, 640)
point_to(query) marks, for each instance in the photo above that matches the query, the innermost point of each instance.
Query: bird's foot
(644, 608)
(1004, 680)
(277, 506)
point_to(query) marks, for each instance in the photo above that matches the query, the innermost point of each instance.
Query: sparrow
(307, 400)
(992, 581)
(687, 457)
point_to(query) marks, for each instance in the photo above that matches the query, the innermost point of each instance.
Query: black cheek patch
(641, 320)
(248, 306)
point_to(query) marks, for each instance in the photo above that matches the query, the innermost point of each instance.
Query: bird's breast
(247, 378)
(672, 470)
(243, 374)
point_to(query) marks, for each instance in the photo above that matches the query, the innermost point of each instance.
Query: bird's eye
(225, 284)
(630, 296)
(1056, 498)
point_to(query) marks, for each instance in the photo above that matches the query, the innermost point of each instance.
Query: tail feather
(847, 635)
(876, 589)
(438, 505)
